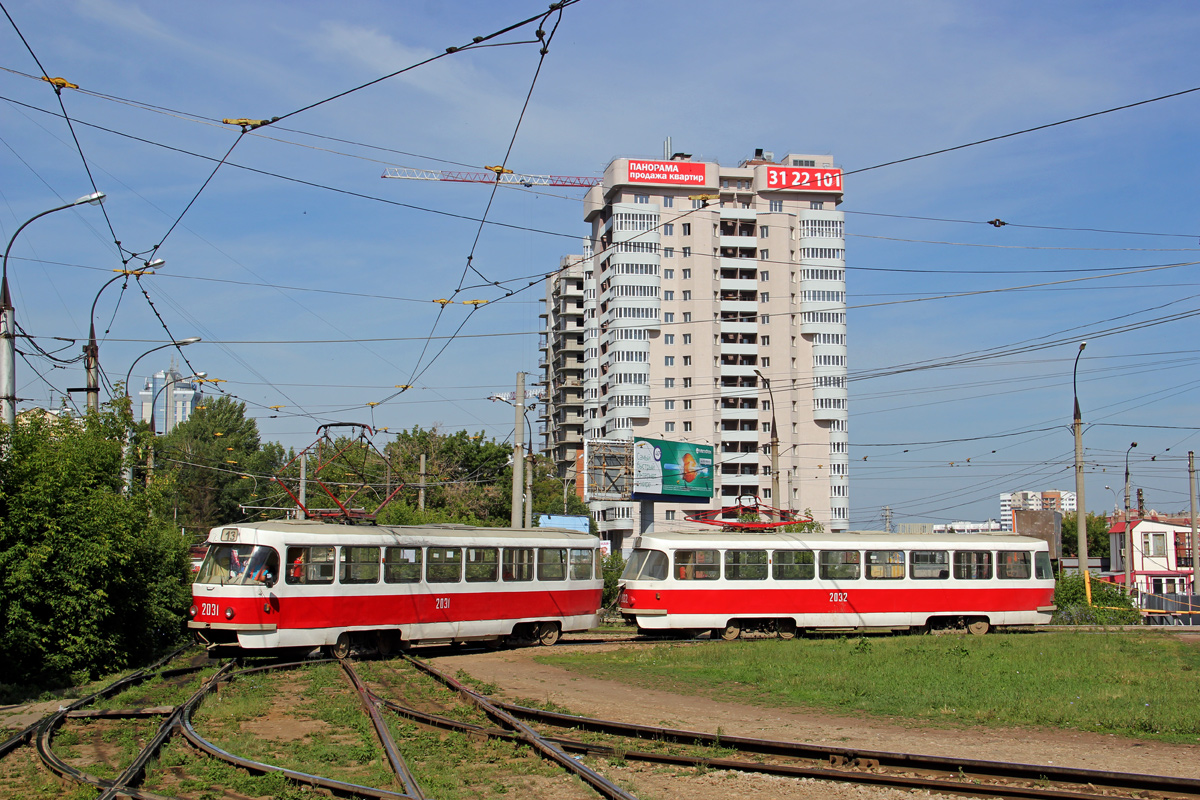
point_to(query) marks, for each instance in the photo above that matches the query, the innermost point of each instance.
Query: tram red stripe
(391, 610)
(741, 602)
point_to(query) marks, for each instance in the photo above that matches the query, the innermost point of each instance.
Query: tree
(204, 459)
(1097, 535)
(90, 580)
(468, 478)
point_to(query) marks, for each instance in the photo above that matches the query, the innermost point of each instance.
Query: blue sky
(869, 82)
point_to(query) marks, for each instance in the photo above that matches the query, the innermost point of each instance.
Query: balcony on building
(739, 272)
(733, 251)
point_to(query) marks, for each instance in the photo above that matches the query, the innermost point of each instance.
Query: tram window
(581, 565)
(929, 565)
(359, 565)
(552, 564)
(1013, 565)
(239, 564)
(518, 563)
(599, 565)
(402, 565)
(972, 565)
(885, 564)
(1041, 566)
(746, 565)
(310, 564)
(645, 565)
(697, 565)
(444, 565)
(483, 564)
(840, 565)
(793, 565)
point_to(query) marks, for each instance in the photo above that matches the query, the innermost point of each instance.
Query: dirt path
(519, 676)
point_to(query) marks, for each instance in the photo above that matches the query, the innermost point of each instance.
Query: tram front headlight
(229, 612)
(192, 612)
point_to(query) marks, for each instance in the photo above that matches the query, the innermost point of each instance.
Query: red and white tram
(732, 582)
(307, 584)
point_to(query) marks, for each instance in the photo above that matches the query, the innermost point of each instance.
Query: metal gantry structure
(496, 175)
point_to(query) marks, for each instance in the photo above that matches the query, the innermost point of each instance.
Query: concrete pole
(518, 458)
(304, 481)
(421, 486)
(1192, 497)
(8, 355)
(1080, 504)
(1128, 532)
(529, 489)
(91, 358)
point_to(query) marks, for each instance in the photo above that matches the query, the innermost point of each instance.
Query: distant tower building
(696, 279)
(173, 398)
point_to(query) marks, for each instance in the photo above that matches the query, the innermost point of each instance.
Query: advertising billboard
(679, 173)
(804, 179)
(672, 469)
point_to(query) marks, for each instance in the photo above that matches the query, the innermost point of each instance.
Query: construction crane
(497, 175)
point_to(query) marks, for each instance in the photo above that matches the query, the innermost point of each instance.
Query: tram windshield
(646, 565)
(239, 565)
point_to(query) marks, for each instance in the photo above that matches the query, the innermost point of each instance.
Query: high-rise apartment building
(1050, 500)
(699, 285)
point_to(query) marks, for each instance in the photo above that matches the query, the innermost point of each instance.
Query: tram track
(947, 775)
(567, 741)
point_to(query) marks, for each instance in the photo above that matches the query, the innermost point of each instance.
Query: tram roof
(432, 531)
(850, 539)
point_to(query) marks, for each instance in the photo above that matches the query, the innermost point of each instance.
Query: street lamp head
(1133, 445)
(201, 374)
(95, 198)
(1082, 345)
(155, 263)
(189, 340)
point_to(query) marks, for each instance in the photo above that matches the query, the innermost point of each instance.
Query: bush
(1110, 605)
(614, 565)
(90, 580)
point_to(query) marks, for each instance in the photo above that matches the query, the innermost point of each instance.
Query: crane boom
(407, 173)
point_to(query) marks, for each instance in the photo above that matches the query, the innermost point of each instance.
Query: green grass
(1139, 685)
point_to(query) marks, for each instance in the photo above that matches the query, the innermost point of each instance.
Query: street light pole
(1080, 504)
(1128, 533)
(153, 432)
(8, 320)
(91, 350)
(179, 343)
(775, 499)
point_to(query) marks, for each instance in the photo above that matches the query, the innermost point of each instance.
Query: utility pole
(91, 359)
(529, 489)
(421, 486)
(1128, 532)
(887, 519)
(1080, 505)
(1192, 498)
(775, 499)
(304, 480)
(518, 459)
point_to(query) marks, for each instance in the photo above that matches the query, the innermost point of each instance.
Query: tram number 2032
(441, 602)
(837, 597)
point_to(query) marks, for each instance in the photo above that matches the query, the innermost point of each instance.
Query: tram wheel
(385, 642)
(786, 629)
(341, 648)
(728, 633)
(978, 627)
(547, 633)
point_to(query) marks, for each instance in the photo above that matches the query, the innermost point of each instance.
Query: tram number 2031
(442, 602)
(837, 597)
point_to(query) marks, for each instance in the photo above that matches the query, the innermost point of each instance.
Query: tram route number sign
(674, 469)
